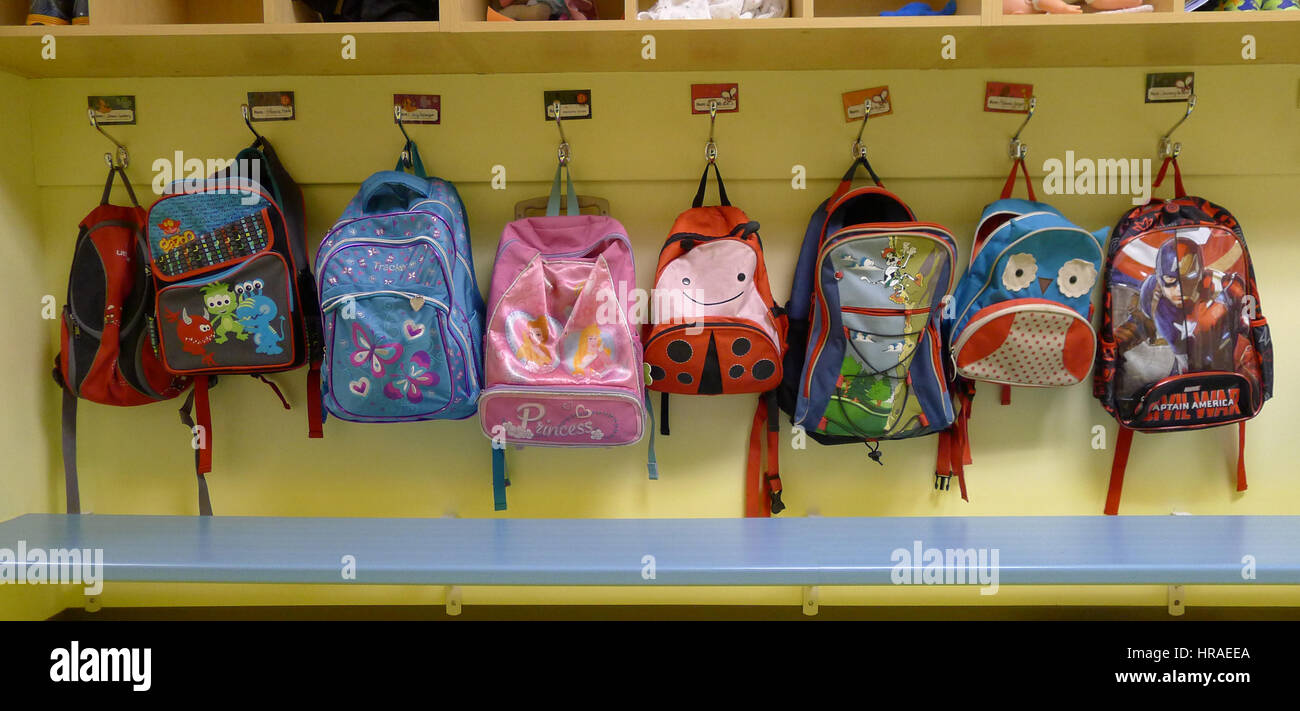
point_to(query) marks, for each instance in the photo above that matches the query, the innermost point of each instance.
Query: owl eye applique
(1020, 271)
(1076, 278)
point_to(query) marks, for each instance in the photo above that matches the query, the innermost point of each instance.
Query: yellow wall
(643, 152)
(29, 419)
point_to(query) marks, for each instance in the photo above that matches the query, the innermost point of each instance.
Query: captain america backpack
(402, 312)
(864, 361)
(1183, 342)
(716, 330)
(1022, 313)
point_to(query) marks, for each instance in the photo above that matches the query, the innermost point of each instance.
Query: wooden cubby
(475, 12)
(105, 13)
(873, 8)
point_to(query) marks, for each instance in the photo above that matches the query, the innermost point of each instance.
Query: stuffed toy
(916, 9)
(714, 10)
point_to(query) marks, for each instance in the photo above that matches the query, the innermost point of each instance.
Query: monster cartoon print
(221, 306)
(195, 333)
(256, 312)
(892, 275)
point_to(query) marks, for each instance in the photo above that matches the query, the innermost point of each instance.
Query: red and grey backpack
(1183, 343)
(108, 349)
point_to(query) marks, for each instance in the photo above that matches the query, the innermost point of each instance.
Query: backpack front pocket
(1192, 401)
(1030, 342)
(872, 395)
(718, 356)
(389, 353)
(238, 320)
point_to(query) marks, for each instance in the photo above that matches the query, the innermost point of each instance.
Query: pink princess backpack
(562, 359)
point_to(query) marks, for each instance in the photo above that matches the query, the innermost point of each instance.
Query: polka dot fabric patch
(1032, 352)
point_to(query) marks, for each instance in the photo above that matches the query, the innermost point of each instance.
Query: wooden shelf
(460, 44)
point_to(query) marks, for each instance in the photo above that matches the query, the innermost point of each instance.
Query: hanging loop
(1017, 149)
(406, 145)
(119, 159)
(711, 148)
(563, 154)
(1167, 148)
(860, 148)
(248, 121)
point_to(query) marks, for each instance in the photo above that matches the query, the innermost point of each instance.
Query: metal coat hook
(562, 153)
(859, 148)
(248, 120)
(406, 152)
(1167, 148)
(119, 160)
(711, 148)
(1017, 149)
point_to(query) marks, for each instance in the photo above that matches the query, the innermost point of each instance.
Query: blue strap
(553, 204)
(498, 479)
(651, 463)
(415, 163)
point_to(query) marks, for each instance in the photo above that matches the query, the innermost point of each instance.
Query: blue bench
(1068, 550)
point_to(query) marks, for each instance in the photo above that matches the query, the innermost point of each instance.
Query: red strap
(1178, 177)
(967, 403)
(1009, 186)
(943, 462)
(1241, 456)
(315, 428)
(757, 503)
(959, 468)
(1117, 467)
(203, 418)
(276, 389)
(1006, 394)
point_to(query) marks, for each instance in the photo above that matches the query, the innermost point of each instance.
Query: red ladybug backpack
(716, 330)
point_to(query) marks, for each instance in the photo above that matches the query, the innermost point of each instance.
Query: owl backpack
(1183, 343)
(716, 330)
(1022, 313)
(562, 356)
(403, 316)
(864, 320)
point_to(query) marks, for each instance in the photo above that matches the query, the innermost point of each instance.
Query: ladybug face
(711, 278)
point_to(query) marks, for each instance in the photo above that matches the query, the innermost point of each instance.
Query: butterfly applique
(419, 374)
(371, 354)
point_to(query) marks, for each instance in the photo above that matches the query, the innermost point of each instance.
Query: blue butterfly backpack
(403, 316)
(1022, 313)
